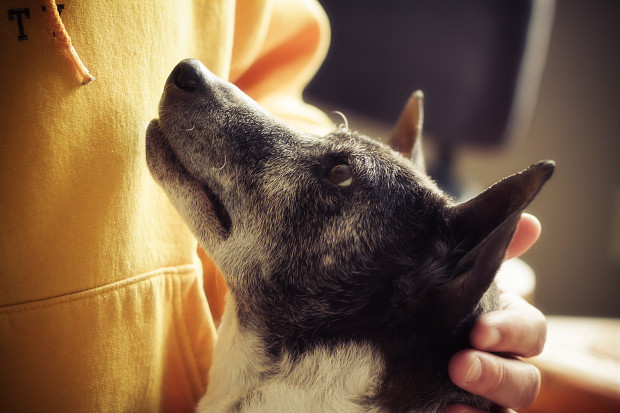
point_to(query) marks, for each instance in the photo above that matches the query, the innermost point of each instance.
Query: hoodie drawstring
(58, 28)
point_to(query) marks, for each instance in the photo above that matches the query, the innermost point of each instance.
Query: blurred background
(507, 83)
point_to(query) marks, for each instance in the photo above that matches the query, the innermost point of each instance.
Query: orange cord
(58, 28)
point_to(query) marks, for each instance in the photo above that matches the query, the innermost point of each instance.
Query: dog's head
(322, 237)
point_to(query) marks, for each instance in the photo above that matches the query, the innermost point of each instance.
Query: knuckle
(513, 384)
(539, 344)
(527, 337)
(538, 332)
(531, 388)
(497, 386)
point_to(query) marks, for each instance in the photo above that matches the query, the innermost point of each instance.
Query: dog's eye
(340, 175)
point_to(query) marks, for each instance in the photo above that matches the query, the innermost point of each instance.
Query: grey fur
(382, 277)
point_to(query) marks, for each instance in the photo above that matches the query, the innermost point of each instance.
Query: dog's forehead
(384, 185)
(377, 171)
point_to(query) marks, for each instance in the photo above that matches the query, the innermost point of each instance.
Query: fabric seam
(80, 295)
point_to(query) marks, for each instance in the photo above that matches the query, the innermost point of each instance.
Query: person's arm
(517, 330)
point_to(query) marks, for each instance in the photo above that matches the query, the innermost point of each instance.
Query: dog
(352, 278)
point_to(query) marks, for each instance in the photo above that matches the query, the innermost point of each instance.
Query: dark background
(576, 122)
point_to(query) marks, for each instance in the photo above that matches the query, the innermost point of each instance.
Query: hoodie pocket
(141, 344)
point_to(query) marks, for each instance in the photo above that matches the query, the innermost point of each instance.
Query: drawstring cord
(58, 28)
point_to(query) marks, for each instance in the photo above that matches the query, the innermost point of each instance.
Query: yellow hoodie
(102, 298)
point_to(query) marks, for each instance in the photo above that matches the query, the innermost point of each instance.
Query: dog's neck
(244, 377)
(355, 375)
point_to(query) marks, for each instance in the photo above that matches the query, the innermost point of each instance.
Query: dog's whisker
(345, 126)
(344, 119)
(221, 167)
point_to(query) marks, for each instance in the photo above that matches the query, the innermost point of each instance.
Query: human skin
(517, 330)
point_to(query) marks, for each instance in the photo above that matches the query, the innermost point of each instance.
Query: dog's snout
(187, 75)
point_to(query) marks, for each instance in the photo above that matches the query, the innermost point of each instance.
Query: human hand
(517, 330)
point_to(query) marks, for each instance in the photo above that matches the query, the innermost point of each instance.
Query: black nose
(187, 75)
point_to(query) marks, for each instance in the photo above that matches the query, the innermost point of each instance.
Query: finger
(508, 382)
(527, 232)
(461, 408)
(519, 328)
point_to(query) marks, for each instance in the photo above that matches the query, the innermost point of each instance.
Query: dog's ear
(406, 137)
(483, 228)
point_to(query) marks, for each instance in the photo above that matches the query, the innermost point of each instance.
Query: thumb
(527, 232)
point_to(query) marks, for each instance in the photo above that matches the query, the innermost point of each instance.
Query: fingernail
(473, 374)
(492, 338)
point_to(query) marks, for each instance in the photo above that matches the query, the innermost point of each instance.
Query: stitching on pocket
(80, 295)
